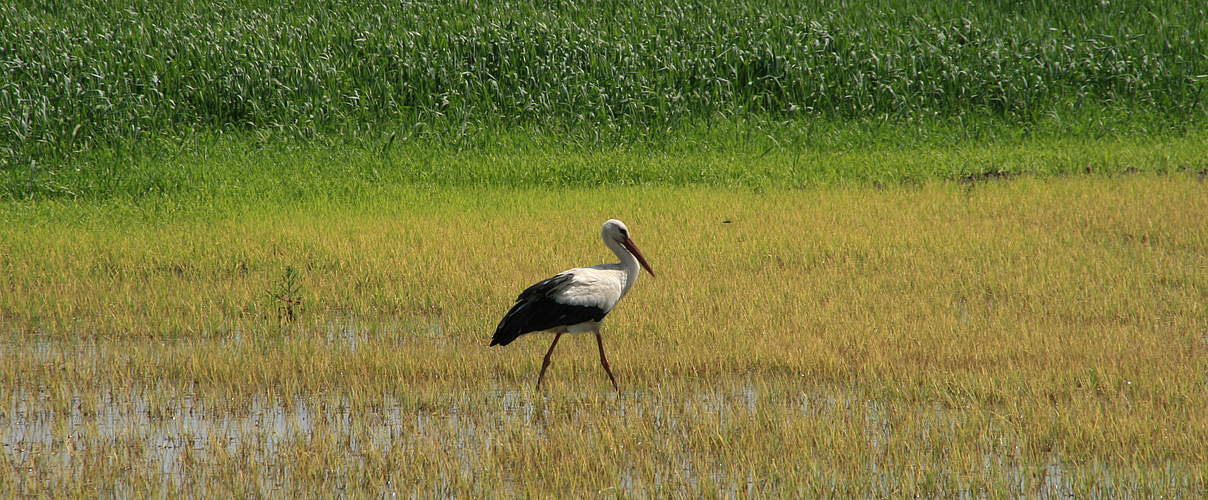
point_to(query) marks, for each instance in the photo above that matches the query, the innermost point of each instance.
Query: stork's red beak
(633, 249)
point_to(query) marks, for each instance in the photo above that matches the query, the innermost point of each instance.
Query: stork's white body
(600, 287)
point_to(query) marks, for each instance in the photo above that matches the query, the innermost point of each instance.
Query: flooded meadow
(1010, 339)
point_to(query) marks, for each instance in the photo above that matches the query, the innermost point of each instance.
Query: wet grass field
(1032, 336)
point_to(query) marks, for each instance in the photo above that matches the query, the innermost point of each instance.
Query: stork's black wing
(537, 309)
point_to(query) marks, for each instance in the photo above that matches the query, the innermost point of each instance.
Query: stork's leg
(545, 364)
(604, 361)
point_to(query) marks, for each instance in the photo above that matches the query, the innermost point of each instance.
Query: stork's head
(616, 231)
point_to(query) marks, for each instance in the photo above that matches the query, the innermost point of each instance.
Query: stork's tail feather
(502, 338)
(512, 325)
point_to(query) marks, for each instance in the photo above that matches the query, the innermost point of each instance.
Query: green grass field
(136, 78)
(935, 249)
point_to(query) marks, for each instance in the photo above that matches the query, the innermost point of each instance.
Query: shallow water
(178, 432)
(183, 437)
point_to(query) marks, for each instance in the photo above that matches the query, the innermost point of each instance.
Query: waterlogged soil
(184, 439)
(177, 436)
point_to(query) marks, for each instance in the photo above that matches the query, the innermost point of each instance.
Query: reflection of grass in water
(771, 435)
(925, 339)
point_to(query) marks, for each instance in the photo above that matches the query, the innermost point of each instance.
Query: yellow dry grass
(1034, 337)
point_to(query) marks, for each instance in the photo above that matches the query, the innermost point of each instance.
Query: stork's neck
(629, 263)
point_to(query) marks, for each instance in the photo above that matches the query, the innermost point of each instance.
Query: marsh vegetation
(1035, 337)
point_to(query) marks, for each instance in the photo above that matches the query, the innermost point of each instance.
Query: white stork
(576, 301)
